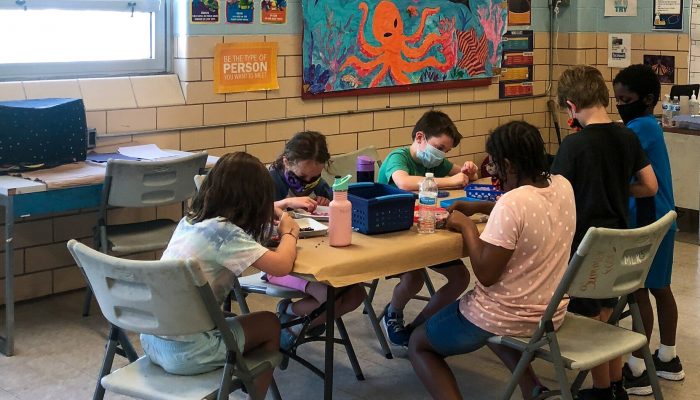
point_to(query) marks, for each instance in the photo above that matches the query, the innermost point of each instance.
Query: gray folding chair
(608, 263)
(346, 164)
(131, 296)
(143, 184)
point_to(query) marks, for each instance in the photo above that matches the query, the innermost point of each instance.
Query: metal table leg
(330, 341)
(7, 342)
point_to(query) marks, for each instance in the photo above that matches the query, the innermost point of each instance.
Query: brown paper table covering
(376, 256)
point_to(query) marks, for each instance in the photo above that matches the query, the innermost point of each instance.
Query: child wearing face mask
(637, 90)
(298, 184)
(433, 136)
(599, 161)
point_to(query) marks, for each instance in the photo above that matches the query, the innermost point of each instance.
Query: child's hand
(307, 203)
(458, 180)
(457, 221)
(288, 225)
(467, 208)
(469, 169)
(322, 201)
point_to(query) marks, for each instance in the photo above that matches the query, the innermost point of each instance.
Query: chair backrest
(131, 183)
(610, 263)
(346, 164)
(153, 297)
(198, 180)
(615, 262)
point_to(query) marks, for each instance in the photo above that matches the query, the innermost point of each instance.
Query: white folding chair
(608, 263)
(132, 297)
(143, 184)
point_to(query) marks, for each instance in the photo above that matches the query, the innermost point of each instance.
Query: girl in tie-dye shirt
(230, 217)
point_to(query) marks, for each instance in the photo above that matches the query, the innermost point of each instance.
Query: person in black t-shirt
(600, 162)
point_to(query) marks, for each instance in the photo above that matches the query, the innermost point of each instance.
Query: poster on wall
(519, 12)
(244, 67)
(619, 50)
(620, 8)
(668, 15)
(663, 66)
(273, 11)
(239, 11)
(518, 41)
(353, 47)
(204, 11)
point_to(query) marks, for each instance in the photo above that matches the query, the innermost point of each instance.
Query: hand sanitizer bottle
(694, 105)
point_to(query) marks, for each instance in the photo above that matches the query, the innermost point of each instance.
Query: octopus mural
(365, 44)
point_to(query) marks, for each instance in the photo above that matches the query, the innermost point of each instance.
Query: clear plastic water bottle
(666, 113)
(676, 107)
(427, 199)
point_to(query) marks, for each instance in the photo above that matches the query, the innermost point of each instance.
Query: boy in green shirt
(433, 136)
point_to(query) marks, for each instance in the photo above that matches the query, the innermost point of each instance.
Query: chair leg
(240, 297)
(374, 321)
(518, 372)
(87, 301)
(349, 349)
(226, 376)
(127, 347)
(638, 327)
(107, 361)
(275, 390)
(370, 294)
(559, 367)
(428, 282)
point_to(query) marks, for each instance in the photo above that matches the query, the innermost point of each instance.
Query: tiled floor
(59, 352)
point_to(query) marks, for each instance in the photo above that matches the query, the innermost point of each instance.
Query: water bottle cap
(341, 184)
(365, 164)
(429, 175)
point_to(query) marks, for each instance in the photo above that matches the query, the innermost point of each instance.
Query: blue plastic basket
(482, 192)
(379, 208)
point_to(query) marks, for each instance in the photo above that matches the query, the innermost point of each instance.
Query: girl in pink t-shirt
(518, 261)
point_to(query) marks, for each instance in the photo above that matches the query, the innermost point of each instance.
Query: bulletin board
(355, 47)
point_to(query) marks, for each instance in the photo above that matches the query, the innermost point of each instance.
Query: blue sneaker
(395, 329)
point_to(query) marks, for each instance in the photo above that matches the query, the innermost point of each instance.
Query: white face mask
(431, 157)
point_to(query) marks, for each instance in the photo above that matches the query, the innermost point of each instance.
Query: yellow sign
(243, 67)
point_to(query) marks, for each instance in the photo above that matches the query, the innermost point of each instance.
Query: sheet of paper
(145, 152)
(619, 50)
(68, 175)
(620, 8)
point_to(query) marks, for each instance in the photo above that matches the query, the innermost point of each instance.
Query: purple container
(365, 169)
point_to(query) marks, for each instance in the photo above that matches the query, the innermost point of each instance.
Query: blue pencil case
(448, 202)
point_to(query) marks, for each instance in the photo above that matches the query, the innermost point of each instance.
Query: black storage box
(41, 133)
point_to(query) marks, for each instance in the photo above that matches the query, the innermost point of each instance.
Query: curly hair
(521, 144)
(640, 79)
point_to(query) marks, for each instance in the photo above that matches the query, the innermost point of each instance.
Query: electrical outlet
(91, 138)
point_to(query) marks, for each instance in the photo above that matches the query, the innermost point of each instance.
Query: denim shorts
(450, 333)
(192, 354)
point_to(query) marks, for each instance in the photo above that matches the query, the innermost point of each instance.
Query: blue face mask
(430, 157)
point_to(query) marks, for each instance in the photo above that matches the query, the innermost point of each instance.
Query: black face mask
(630, 111)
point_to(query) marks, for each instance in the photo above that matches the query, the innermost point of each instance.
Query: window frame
(161, 42)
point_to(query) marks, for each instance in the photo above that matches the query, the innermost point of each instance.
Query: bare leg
(262, 331)
(431, 367)
(410, 284)
(614, 365)
(510, 358)
(667, 312)
(647, 312)
(457, 282)
(601, 373)
(349, 301)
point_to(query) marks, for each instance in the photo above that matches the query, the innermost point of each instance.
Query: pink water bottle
(340, 214)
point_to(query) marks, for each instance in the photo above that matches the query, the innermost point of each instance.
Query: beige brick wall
(261, 122)
(591, 48)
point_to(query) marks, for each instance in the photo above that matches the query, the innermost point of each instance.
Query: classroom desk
(368, 258)
(23, 198)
